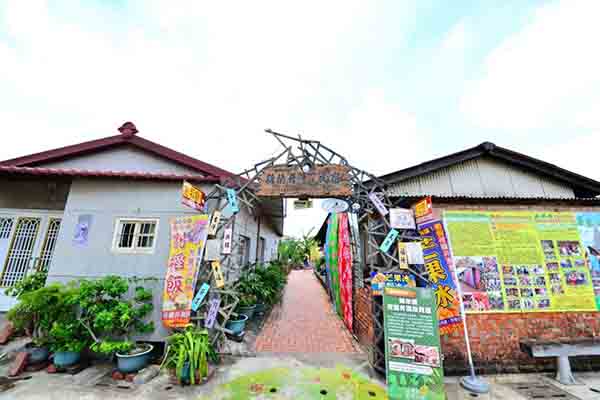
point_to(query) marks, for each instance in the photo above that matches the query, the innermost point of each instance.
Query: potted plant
(36, 312)
(188, 354)
(67, 339)
(247, 305)
(112, 318)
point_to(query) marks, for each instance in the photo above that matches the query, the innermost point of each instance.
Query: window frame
(136, 232)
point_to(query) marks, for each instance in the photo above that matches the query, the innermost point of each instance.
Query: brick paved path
(305, 322)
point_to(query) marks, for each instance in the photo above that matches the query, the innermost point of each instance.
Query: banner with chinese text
(412, 344)
(521, 261)
(438, 266)
(188, 239)
(345, 266)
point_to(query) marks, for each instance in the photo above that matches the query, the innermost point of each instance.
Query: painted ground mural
(526, 261)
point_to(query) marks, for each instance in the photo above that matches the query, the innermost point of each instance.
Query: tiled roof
(70, 172)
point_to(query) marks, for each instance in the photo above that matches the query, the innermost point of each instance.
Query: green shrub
(30, 283)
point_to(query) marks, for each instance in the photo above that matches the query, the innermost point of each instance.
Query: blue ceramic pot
(37, 354)
(132, 363)
(66, 358)
(260, 308)
(237, 325)
(248, 310)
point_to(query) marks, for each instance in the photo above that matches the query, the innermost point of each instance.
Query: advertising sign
(438, 264)
(215, 218)
(402, 218)
(389, 240)
(520, 261)
(319, 181)
(227, 239)
(217, 274)
(393, 279)
(200, 296)
(213, 309)
(188, 239)
(233, 201)
(192, 196)
(412, 344)
(402, 255)
(424, 210)
(378, 204)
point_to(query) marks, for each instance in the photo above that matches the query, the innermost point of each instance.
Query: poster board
(192, 197)
(188, 240)
(522, 261)
(412, 344)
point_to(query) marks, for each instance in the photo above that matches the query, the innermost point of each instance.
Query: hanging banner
(520, 261)
(423, 210)
(292, 181)
(332, 261)
(402, 218)
(227, 239)
(213, 310)
(215, 218)
(233, 201)
(400, 279)
(412, 345)
(192, 197)
(200, 296)
(402, 255)
(389, 240)
(188, 239)
(414, 252)
(378, 204)
(217, 274)
(357, 255)
(345, 263)
(438, 264)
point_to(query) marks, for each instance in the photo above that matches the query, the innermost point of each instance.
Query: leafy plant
(247, 300)
(190, 346)
(38, 310)
(68, 336)
(28, 284)
(111, 316)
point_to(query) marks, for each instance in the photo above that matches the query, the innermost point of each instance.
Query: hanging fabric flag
(345, 268)
(332, 258)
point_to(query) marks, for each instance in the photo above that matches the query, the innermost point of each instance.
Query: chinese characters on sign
(193, 197)
(200, 296)
(319, 181)
(401, 218)
(438, 264)
(188, 239)
(215, 302)
(392, 279)
(424, 210)
(389, 240)
(218, 274)
(378, 204)
(227, 239)
(412, 344)
(215, 218)
(233, 201)
(402, 255)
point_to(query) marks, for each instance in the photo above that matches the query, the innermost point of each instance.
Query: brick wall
(495, 337)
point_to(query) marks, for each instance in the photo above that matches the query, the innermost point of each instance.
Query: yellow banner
(519, 261)
(188, 239)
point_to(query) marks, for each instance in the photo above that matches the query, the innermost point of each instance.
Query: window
(135, 235)
(243, 250)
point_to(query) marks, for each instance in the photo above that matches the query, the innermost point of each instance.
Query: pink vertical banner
(345, 268)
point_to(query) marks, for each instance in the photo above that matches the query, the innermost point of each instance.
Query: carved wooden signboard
(319, 181)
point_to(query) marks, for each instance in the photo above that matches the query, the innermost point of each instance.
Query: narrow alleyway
(305, 322)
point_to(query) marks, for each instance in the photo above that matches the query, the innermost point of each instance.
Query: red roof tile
(70, 172)
(127, 137)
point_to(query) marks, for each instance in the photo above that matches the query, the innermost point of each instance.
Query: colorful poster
(588, 225)
(82, 230)
(188, 239)
(412, 352)
(519, 261)
(392, 279)
(345, 265)
(438, 267)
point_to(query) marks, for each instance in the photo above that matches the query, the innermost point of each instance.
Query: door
(23, 248)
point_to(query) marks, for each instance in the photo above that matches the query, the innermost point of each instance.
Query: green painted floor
(300, 383)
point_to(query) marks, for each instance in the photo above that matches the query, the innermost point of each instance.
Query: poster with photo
(588, 226)
(520, 261)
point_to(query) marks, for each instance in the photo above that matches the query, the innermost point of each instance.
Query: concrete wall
(125, 158)
(108, 200)
(34, 194)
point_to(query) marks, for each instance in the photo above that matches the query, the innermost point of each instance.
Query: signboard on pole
(319, 181)
(192, 197)
(412, 344)
(227, 239)
(402, 218)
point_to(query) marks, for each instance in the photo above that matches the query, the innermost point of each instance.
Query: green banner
(412, 351)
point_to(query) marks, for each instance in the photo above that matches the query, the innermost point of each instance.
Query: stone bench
(562, 349)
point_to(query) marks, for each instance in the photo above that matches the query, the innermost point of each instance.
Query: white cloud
(578, 154)
(543, 75)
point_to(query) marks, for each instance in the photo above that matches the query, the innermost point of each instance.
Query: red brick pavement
(305, 322)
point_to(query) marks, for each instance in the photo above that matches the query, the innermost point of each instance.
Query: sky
(388, 84)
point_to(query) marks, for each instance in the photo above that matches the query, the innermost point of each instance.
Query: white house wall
(107, 200)
(124, 158)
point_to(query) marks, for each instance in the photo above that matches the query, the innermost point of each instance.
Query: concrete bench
(562, 349)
